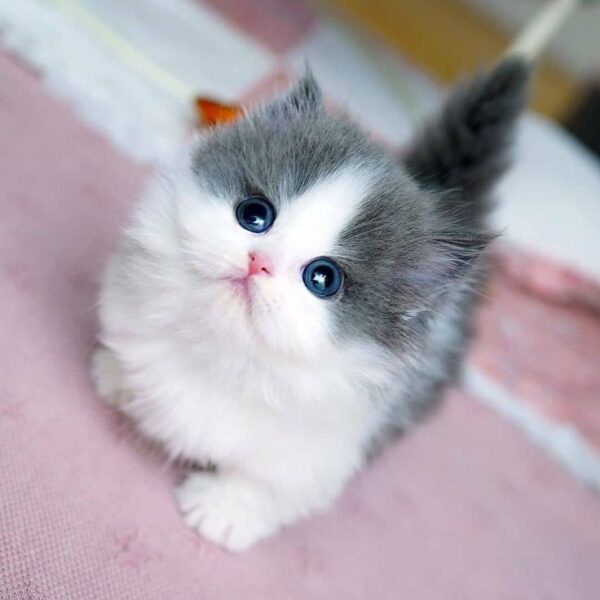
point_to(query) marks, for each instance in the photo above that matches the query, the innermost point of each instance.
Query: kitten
(292, 296)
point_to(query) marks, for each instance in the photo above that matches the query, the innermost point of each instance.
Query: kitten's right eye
(256, 214)
(323, 277)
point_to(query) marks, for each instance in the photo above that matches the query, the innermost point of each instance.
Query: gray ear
(304, 98)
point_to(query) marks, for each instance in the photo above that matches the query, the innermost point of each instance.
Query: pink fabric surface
(543, 353)
(463, 508)
(547, 279)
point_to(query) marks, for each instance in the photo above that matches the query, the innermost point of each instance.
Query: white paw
(106, 373)
(230, 512)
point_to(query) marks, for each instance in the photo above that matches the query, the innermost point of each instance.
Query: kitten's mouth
(241, 286)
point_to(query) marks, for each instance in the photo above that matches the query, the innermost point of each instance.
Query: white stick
(538, 32)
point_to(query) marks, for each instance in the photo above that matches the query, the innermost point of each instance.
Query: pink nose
(259, 264)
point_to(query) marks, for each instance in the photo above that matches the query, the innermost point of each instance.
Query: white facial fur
(213, 245)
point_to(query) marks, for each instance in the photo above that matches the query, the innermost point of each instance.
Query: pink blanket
(464, 508)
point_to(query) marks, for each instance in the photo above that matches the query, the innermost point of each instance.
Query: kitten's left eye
(255, 214)
(323, 277)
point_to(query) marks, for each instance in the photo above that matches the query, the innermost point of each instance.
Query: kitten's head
(299, 232)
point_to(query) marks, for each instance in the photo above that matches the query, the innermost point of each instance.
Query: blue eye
(323, 277)
(255, 214)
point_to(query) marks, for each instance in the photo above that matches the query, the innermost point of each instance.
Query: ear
(464, 150)
(303, 98)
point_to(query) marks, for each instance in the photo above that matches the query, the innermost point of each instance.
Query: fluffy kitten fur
(287, 394)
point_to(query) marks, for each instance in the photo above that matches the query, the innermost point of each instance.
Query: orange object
(211, 112)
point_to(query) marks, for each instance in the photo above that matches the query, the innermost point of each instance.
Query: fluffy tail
(464, 150)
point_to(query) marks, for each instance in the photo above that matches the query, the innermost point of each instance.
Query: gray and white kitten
(292, 296)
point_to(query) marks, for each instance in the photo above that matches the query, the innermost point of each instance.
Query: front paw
(233, 513)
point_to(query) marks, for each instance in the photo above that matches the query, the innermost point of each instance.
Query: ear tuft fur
(304, 98)
(306, 94)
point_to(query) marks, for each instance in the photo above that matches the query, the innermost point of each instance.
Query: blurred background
(496, 498)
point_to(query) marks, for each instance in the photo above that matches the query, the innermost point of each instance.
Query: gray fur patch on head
(401, 258)
(281, 149)
(384, 240)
